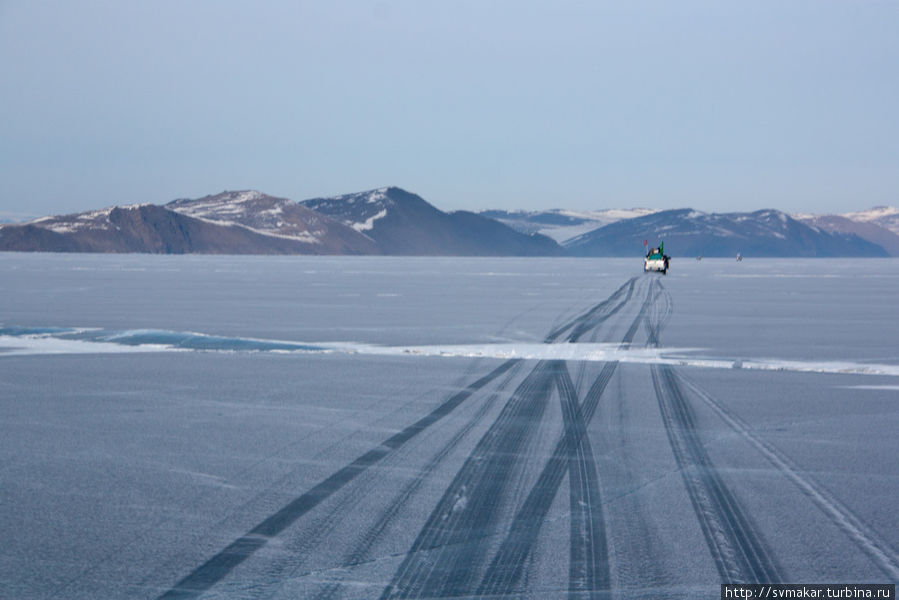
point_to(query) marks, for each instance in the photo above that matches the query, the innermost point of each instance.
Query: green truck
(656, 260)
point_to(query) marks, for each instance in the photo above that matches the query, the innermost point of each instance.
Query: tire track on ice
(507, 566)
(324, 526)
(594, 330)
(588, 564)
(636, 521)
(862, 535)
(420, 576)
(593, 322)
(453, 540)
(217, 568)
(739, 553)
(596, 312)
(738, 550)
(220, 565)
(359, 553)
(594, 316)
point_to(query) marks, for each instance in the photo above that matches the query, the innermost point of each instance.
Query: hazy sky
(714, 105)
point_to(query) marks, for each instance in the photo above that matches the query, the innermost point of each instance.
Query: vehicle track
(462, 531)
(531, 394)
(359, 553)
(593, 322)
(506, 569)
(739, 553)
(217, 568)
(453, 540)
(737, 548)
(588, 564)
(322, 527)
(636, 564)
(461, 547)
(862, 535)
(595, 315)
(507, 566)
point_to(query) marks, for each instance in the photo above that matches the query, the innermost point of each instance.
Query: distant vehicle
(656, 260)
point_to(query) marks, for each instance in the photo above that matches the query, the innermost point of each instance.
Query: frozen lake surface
(318, 427)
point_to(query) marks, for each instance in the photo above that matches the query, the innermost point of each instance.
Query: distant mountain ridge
(884, 216)
(867, 230)
(393, 221)
(686, 232)
(563, 225)
(385, 221)
(583, 233)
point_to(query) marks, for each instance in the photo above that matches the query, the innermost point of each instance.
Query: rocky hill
(403, 223)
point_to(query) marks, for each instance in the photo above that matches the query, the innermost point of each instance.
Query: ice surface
(16, 341)
(322, 410)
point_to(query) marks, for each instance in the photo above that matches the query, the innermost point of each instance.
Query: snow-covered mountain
(393, 221)
(564, 225)
(156, 229)
(385, 221)
(884, 216)
(869, 231)
(879, 225)
(359, 210)
(279, 217)
(405, 224)
(94, 220)
(687, 232)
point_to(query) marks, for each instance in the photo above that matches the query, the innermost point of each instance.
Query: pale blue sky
(715, 105)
